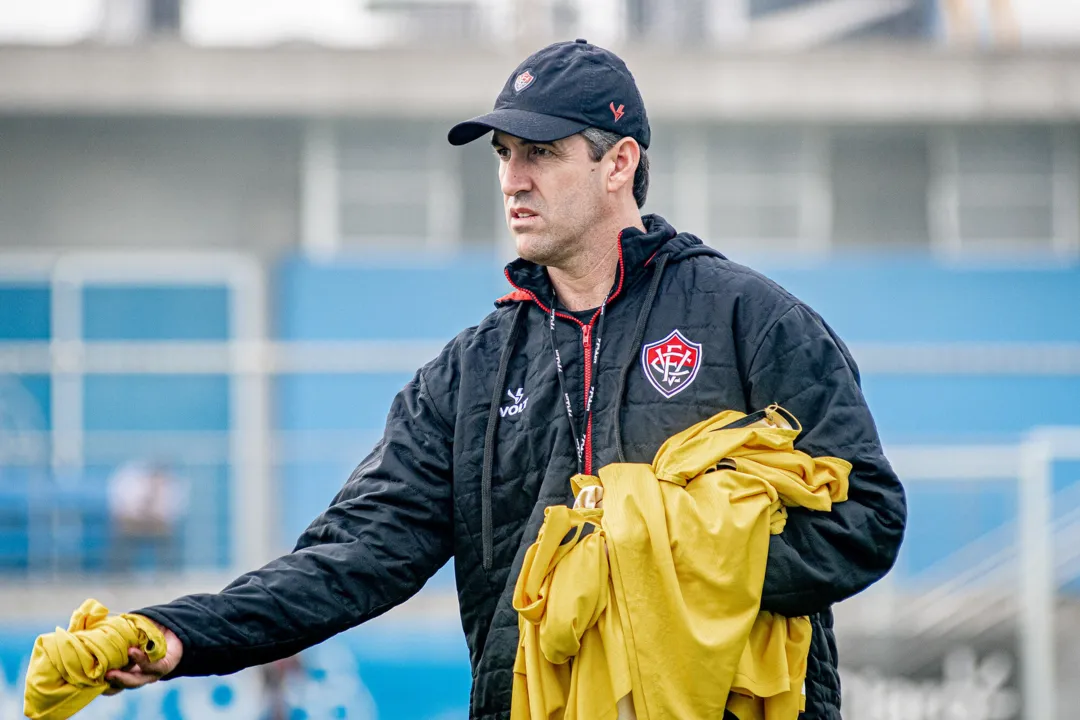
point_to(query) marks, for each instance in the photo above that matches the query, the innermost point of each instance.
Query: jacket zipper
(586, 343)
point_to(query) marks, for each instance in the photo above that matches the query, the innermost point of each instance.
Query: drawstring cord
(487, 527)
(487, 531)
(639, 335)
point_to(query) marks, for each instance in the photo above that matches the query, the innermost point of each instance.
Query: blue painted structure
(867, 299)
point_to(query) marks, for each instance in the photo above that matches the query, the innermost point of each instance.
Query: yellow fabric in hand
(67, 668)
(661, 599)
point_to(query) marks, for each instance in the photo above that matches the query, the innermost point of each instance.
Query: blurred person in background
(619, 333)
(147, 503)
(276, 676)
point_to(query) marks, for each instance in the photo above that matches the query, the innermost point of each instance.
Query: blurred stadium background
(230, 230)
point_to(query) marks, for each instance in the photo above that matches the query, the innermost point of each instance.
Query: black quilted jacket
(480, 442)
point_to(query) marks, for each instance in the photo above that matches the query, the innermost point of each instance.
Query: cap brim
(524, 124)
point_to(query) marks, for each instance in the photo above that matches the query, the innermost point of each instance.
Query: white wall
(153, 182)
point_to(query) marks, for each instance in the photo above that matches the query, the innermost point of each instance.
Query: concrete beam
(850, 84)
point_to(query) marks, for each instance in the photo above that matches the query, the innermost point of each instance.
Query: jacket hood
(637, 250)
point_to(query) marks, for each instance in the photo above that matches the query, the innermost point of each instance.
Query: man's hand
(140, 671)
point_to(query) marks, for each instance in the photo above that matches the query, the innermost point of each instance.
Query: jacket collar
(636, 250)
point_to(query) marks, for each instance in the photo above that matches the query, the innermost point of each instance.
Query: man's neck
(584, 281)
(585, 285)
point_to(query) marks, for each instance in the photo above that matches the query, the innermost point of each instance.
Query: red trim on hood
(518, 295)
(530, 295)
(622, 276)
(622, 268)
(523, 295)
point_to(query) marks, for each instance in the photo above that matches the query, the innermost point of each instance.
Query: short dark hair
(600, 141)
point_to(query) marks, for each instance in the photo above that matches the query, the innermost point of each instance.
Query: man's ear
(625, 156)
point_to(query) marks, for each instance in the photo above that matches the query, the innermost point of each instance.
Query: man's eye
(540, 151)
(502, 152)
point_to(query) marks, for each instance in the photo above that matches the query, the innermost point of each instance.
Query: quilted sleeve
(387, 531)
(823, 558)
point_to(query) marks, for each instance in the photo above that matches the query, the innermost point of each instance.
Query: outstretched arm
(387, 531)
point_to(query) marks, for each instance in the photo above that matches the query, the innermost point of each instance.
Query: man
(618, 334)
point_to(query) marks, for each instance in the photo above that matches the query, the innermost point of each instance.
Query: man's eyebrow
(495, 143)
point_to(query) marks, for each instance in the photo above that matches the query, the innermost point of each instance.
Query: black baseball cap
(560, 90)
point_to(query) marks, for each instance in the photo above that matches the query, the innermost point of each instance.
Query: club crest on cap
(523, 81)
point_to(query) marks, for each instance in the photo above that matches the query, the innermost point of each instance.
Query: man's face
(552, 194)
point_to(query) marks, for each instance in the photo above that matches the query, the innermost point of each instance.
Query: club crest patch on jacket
(671, 364)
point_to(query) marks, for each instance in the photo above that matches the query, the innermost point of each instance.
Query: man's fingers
(142, 661)
(128, 679)
(140, 671)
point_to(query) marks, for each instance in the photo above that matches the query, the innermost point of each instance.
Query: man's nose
(515, 177)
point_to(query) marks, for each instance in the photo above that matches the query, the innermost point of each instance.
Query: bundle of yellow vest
(67, 667)
(648, 606)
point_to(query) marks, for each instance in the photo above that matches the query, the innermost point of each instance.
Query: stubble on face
(563, 190)
(562, 234)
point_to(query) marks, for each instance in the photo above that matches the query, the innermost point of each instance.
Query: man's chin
(531, 247)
